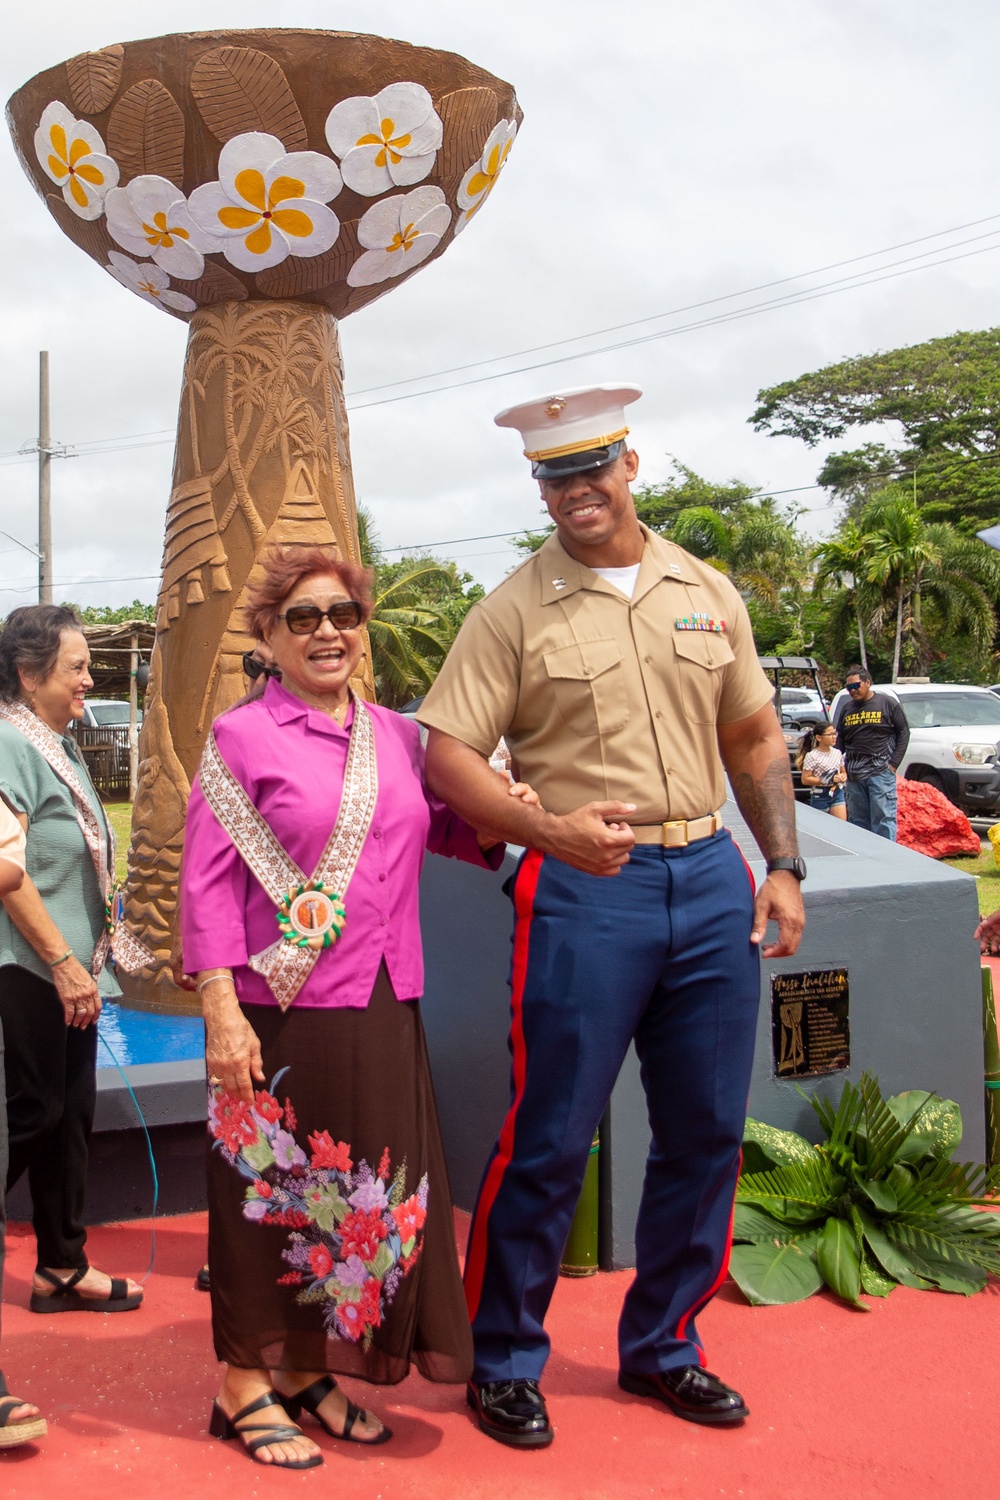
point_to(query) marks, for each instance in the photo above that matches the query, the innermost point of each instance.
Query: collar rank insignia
(558, 583)
(700, 621)
(675, 567)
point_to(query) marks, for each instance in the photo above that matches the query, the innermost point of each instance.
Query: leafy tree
(945, 397)
(106, 614)
(659, 505)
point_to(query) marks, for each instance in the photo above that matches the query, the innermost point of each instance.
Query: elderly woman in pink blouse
(330, 1224)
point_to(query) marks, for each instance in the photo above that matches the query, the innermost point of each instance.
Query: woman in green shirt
(53, 946)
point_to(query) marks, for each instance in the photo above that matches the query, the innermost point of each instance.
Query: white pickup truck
(954, 733)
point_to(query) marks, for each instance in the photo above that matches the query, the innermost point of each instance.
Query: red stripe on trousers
(524, 900)
(723, 1269)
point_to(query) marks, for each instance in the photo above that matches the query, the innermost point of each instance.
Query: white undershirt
(623, 579)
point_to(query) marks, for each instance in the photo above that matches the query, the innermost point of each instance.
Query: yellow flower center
(481, 184)
(403, 239)
(391, 145)
(161, 233)
(262, 213)
(66, 163)
(148, 286)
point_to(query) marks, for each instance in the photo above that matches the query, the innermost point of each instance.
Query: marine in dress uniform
(623, 674)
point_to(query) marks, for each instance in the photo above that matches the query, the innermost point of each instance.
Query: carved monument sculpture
(259, 185)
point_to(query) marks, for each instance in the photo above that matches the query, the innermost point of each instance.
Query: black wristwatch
(796, 866)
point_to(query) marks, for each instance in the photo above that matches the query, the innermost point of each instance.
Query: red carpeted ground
(899, 1403)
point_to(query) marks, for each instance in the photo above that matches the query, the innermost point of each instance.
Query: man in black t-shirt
(873, 734)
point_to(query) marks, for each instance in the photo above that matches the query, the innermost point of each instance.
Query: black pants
(49, 1069)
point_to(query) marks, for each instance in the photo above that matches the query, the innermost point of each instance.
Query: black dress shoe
(512, 1411)
(691, 1393)
(203, 1280)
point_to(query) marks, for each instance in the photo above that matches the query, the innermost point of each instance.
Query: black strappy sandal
(313, 1397)
(225, 1428)
(65, 1298)
(25, 1431)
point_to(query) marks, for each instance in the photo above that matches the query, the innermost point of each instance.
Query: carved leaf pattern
(216, 284)
(300, 274)
(468, 116)
(239, 89)
(146, 133)
(94, 78)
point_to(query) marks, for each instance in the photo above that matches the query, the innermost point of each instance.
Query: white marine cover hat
(572, 430)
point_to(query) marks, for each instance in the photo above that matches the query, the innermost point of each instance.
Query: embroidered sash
(128, 951)
(285, 965)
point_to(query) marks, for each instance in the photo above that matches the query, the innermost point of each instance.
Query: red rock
(930, 824)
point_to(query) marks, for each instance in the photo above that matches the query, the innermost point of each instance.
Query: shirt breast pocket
(589, 685)
(701, 658)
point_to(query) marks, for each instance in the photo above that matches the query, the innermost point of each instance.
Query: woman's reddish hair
(286, 567)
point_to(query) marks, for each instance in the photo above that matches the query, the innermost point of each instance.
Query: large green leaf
(937, 1126)
(777, 1147)
(752, 1226)
(879, 1194)
(874, 1281)
(838, 1256)
(771, 1275)
(892, 1260)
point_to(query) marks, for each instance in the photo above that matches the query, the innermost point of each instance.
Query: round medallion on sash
(311, 915)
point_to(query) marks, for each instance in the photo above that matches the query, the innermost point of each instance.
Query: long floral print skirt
(331, 1237)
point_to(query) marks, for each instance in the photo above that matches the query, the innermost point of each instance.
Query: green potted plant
(878, 1204)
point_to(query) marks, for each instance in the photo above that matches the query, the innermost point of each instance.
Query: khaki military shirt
(601, 697)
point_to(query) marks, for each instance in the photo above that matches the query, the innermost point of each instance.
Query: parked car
(803, 708)
(954, 733)
(103, 737)
(100, 711)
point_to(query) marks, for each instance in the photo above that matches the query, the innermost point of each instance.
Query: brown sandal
(65, 1297)
(27, 1430)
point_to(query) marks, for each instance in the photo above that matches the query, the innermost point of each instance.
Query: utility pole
(44, 483)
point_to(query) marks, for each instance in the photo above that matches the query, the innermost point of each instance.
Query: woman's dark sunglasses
(305, 619)
(254, 668)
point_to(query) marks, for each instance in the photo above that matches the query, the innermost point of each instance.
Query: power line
(689, 306)
(806, 294)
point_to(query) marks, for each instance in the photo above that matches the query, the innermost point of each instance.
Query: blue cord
(152, 1158)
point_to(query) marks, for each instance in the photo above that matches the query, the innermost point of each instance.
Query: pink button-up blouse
(290, 759)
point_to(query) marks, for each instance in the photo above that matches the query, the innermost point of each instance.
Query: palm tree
(843, 561)
(909, 561)
(409, 632)
(753, 544)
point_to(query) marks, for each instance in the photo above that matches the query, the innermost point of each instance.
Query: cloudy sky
(675, 155)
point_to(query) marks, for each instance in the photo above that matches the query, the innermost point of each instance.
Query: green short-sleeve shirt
(56, 856)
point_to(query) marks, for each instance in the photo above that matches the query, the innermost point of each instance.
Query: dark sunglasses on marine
(853, 687)
(305, 619)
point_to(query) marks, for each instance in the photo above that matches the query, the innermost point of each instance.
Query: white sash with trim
(128, 951)
(284, 965)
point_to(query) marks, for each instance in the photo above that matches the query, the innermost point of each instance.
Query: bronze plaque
(810, 1030)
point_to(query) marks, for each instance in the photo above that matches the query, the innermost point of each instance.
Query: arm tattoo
(767, 803)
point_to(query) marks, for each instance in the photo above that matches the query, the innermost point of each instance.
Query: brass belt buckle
(675, 843)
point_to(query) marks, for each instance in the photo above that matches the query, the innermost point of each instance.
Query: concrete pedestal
(899, 923)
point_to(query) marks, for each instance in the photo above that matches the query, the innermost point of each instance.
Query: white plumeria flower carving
(150, 217)
(72, 153)
(149, 282)
(387, 140)
(268, 203)
(398, 233)
(480, 180)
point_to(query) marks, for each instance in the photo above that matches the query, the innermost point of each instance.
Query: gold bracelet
(57, 961)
